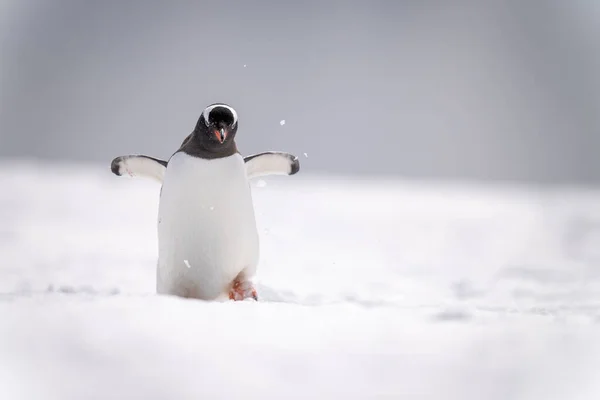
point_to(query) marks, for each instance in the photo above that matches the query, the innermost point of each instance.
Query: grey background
(418, 89)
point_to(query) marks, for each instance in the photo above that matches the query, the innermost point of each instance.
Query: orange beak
(221, 134)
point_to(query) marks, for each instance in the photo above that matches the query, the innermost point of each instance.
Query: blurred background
(414, 89)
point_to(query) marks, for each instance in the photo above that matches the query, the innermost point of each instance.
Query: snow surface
(368, 290)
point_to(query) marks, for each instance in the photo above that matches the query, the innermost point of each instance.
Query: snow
(383, 289)
(282, 122)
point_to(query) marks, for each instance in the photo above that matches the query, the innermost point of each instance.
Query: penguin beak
(221, 134)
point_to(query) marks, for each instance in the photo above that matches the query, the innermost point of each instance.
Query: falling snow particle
(244, 65)
(261, 184)
(305, 155)
(187, 264)
(212, 208)
(282, 122)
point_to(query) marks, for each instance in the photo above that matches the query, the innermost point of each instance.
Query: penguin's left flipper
(261, 164)
(271, 163)
(139, 166)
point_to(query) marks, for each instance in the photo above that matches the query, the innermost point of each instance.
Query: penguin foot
(241, 290)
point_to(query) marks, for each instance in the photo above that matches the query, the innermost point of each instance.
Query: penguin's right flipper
(271, 163)
(139, 166)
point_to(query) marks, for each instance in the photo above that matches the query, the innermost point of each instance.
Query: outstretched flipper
(139, 166)
(271, 163)
(262, 164)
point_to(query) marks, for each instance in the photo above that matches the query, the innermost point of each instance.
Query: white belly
(206, 226)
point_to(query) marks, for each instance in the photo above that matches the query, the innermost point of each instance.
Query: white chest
(206, 224)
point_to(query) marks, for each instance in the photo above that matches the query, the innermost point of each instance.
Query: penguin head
(216, 127)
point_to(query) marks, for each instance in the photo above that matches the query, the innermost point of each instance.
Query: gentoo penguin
(208, 243)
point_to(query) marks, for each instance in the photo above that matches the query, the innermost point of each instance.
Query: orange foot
(242, 290)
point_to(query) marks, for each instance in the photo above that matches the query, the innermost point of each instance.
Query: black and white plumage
(208, 240)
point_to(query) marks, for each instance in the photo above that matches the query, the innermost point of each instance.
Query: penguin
(208, 244)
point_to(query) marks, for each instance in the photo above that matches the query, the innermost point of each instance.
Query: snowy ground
(368, 290)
